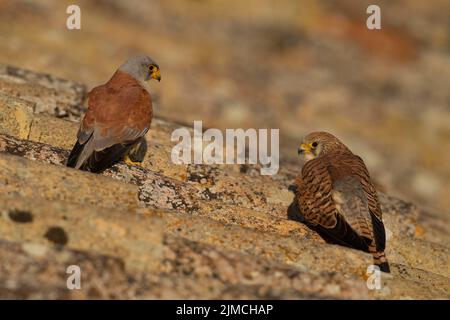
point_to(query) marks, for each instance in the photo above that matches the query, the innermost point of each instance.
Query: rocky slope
(166, 231)
(295, 65)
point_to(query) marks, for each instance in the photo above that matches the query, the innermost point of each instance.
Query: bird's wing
(351, 204)
(116, 118)
(117, 115)
(315, 194)
(333, 200)
(359, 169)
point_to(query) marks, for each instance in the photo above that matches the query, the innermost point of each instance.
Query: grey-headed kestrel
(337, 198)
(118, 117)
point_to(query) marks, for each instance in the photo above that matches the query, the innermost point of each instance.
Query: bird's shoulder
(336, 165)
(122, 97)
(118, 95)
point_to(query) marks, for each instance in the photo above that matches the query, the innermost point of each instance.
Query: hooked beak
(156, 75)
(304, 149)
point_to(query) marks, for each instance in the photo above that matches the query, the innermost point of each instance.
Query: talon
(130, 162)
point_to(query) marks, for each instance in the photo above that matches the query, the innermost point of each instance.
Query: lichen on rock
(166, 231)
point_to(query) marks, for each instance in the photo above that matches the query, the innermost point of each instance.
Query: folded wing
(118, 116)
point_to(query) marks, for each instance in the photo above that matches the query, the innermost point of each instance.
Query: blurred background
(299, 66)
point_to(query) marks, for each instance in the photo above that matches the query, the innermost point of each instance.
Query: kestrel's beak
(304, 149)
(156, 74)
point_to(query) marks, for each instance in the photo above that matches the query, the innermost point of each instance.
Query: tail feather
(380, 260)
(74, 155)
(343, 234)
(101, 160)
(96, 161)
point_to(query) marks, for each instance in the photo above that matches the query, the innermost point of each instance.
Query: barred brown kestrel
(118, 117)
(337, 198)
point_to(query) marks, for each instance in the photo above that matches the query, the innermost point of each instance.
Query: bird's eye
(151, 68)
(314, 144)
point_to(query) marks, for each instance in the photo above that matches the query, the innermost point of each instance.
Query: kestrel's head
(142, 68)
(320, 143)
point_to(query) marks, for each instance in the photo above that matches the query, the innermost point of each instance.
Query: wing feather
(333, 199)
(119, 114)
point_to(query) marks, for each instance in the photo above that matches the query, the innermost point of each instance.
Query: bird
(335, 196)
(119, 115)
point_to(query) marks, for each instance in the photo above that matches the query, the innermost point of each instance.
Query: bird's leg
(135, 155)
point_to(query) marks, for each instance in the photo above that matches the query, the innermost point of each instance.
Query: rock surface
(183, 232)
(298, 66)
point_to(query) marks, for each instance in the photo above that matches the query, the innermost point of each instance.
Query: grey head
(142, 68)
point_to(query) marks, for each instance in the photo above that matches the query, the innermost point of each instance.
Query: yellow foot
(131, 162)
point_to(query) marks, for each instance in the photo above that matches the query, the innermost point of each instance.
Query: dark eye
(314, 144)
(151, 68)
